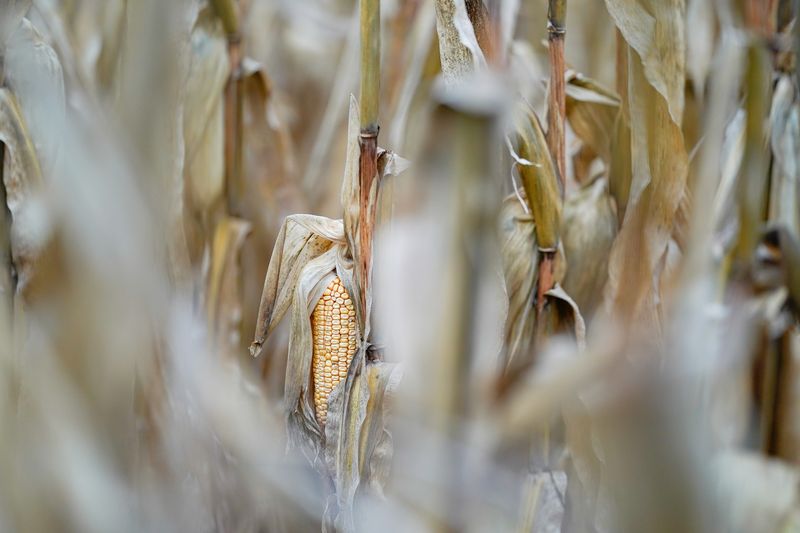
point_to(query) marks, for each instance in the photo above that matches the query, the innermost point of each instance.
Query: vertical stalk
(368, 160)
(556, 104)
(226, 11)
(752, 183)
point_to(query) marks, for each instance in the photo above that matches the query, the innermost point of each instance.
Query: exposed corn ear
(539, 179)
(334, 329)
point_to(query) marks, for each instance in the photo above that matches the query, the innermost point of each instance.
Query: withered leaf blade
(660, 168)
(655, 30)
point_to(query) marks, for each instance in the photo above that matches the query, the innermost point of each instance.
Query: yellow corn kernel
(333, 326)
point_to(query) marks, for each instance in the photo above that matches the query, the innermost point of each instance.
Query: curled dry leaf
(655, 30)
(660, 167)
(592, 111)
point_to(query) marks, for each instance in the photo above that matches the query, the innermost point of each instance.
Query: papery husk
(588, 232)
(539, 177)
(303, 427)
(355, 430)
(301, 239)
(520, 256)
(592, 111)
(562, 315)
(203, 124)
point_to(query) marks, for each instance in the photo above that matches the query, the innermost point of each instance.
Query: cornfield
(400, 265)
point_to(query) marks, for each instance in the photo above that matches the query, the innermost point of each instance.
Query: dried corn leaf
(22, 178)
(660, 167)
(301, 239)
(539, 179)
(592, 111)
(562, 315)
(358, 447)
(203, 121)
(223, 304)
(655, 30)
(520, 258)
(785, 141)
(589, 230)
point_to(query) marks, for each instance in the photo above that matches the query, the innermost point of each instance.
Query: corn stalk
(227, 13)
(556, 113)
(368, 143)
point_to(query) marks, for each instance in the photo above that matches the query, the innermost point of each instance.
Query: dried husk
(203, 124)
(588, 232)
(539, 179)
(301, 239)
(520, 257)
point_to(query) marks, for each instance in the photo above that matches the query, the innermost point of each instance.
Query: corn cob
(333, 325)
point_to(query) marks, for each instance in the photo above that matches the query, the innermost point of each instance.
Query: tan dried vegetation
(541, 273)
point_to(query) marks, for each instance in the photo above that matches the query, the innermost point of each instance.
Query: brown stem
(368, 158)
(556, 104)
(367, 173)
(233, 124)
